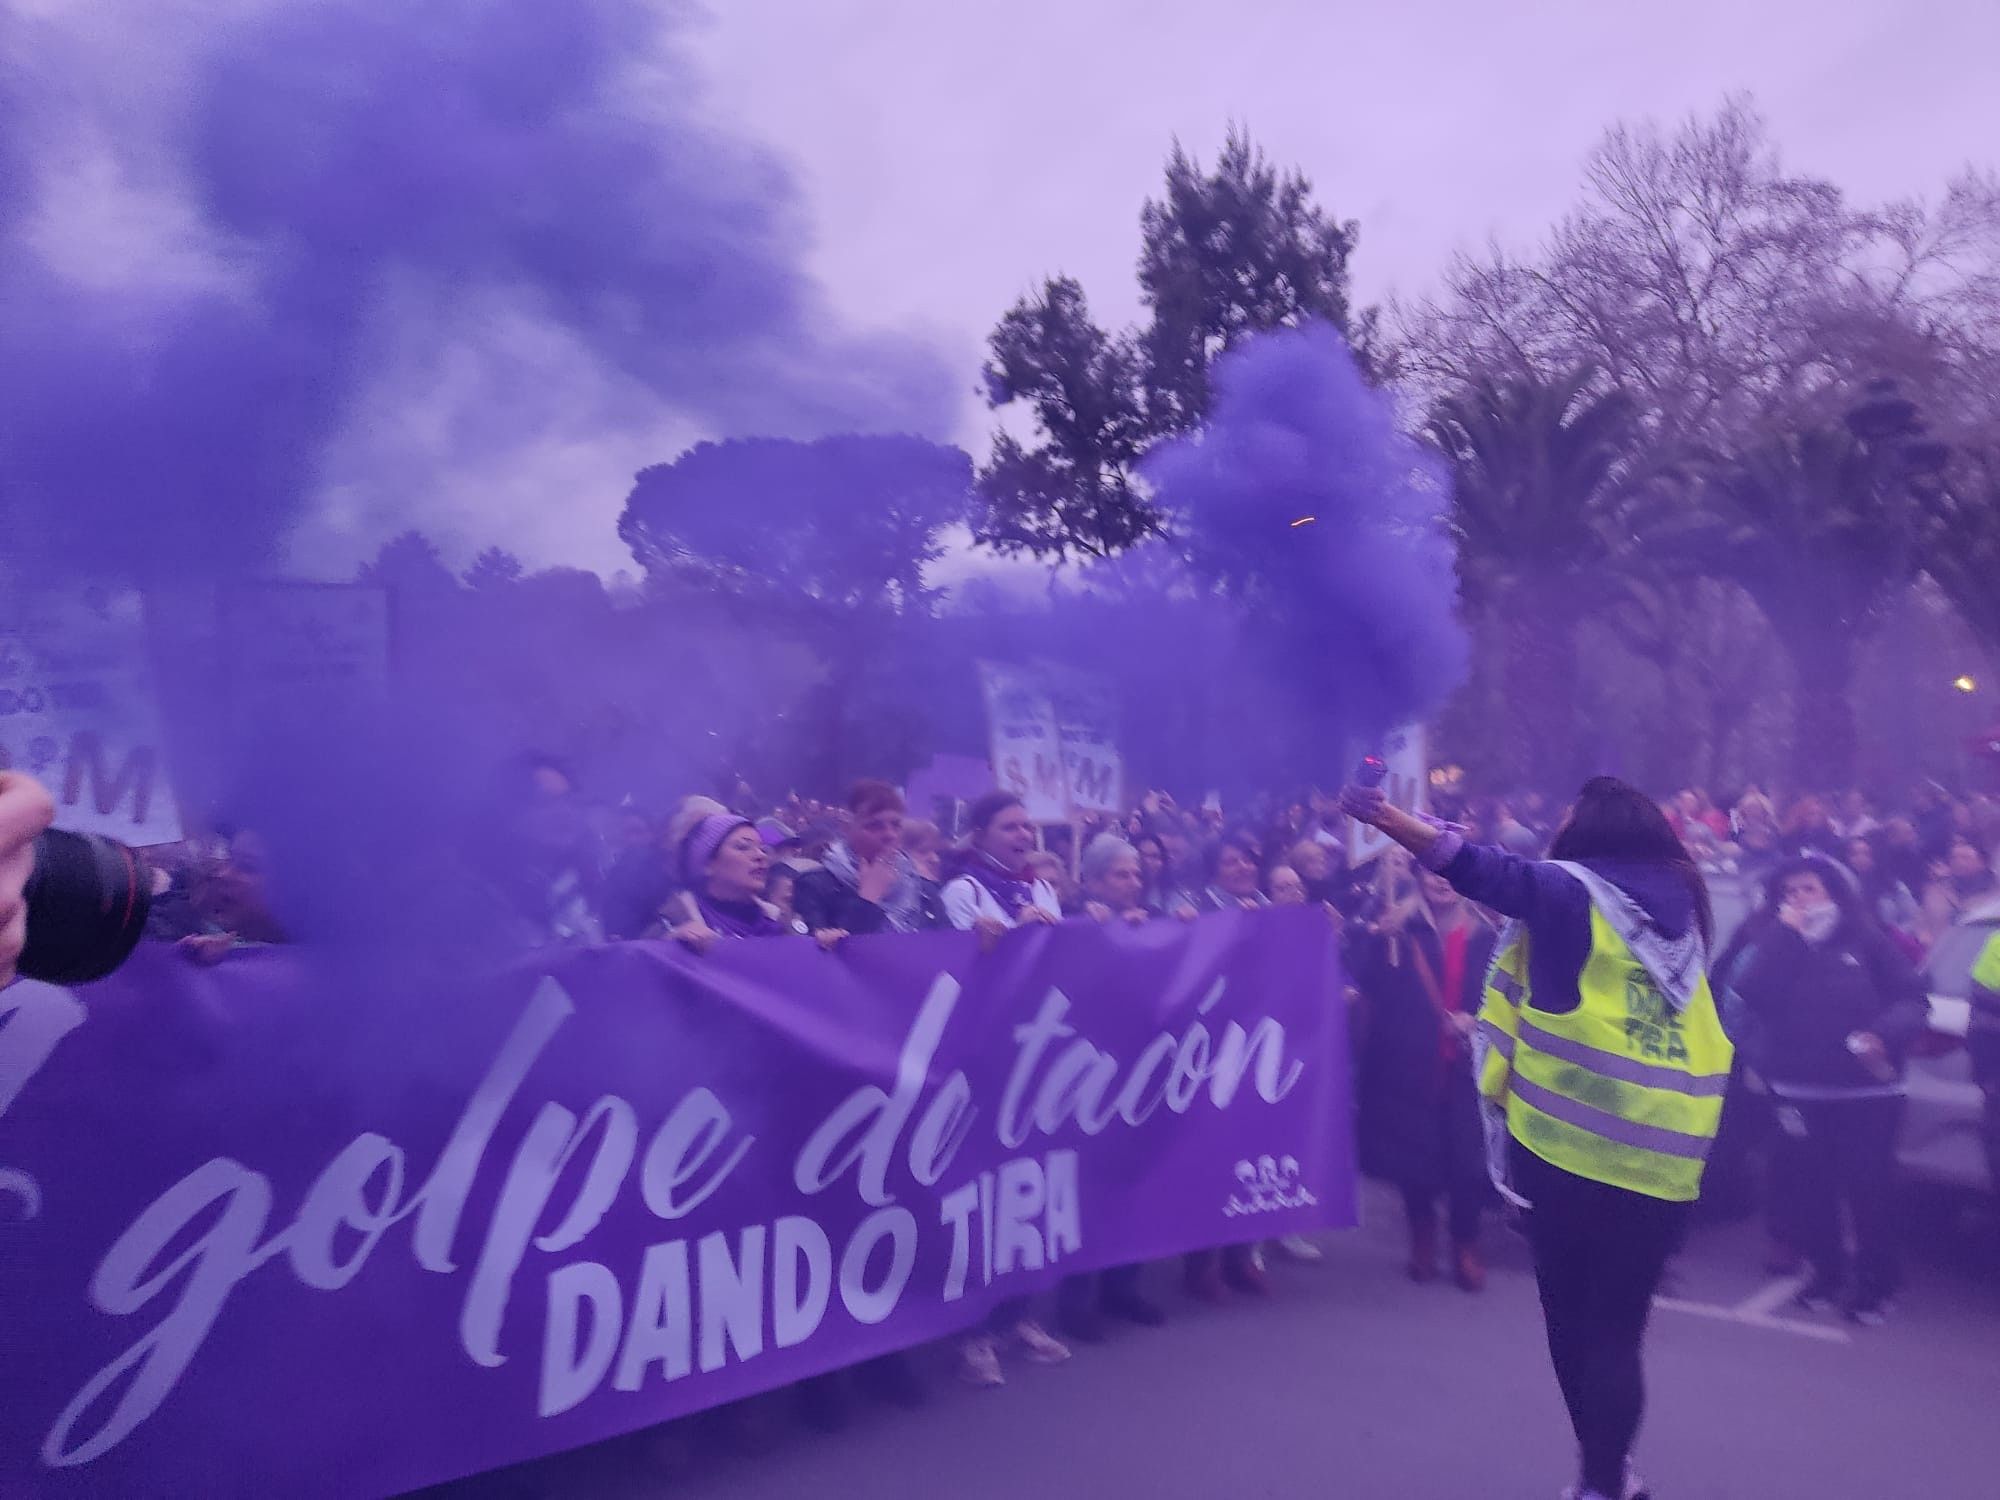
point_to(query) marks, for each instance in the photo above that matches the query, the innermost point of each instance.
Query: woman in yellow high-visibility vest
(1603, 1065)
(1982, 1040)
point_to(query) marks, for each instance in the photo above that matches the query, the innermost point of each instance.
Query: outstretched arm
(1528, 890)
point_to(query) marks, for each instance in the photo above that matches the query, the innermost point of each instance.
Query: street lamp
(1965, 683)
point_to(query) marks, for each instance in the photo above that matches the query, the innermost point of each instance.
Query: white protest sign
(1086, 727)
(1054, 739)
(1407, 785)
(313, 646)
(1026, 744)
(77, 711)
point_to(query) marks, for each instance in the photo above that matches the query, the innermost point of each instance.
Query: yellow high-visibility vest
(1624, 1089)
(1986, 971)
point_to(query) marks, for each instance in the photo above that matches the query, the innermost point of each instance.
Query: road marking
(1758, 1310)
(1771, 1298)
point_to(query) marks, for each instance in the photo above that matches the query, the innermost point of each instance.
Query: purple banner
(261, 1238)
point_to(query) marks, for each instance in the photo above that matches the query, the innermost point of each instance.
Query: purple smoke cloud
(362, 187)
(1307, 505)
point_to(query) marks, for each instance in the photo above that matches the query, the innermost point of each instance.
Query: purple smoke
(358, 189)
(239, 247)
(1309, 507)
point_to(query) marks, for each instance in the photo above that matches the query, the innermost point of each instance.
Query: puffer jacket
(1806, 999)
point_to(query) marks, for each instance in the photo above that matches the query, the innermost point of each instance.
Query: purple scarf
(737, 919)
(1014, 890)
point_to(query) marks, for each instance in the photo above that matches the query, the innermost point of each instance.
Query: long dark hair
(1614, 820)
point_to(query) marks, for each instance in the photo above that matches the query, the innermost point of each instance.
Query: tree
(493, 568)
(850, 521)
(1724, 294)
(1961, 549)
(1540, 468)
(1234, 251)
(1225, 253)
(411, 565)
(1821, 537)
(1074, 492)
(1715, 671)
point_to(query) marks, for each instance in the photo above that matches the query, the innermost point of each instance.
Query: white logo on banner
(1267, 1186)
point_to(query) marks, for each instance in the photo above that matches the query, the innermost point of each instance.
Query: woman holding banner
(867, 883)
(1232, 882)
(992, 889)
(1419, 962)
(1599, 1042)
(1113, 890)
(725, 865)
(1231, 868)
(727, 868)
(993, 892)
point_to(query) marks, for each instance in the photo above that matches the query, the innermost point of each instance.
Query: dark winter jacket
(1418, 1118)
(1804, 1000)
(823, 900)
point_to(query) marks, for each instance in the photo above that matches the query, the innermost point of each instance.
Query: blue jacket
(1555, 907)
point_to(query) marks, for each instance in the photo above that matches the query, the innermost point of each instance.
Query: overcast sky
(950, 153)
(953, 151)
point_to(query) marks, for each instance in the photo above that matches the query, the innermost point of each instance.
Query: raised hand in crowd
(25, 810)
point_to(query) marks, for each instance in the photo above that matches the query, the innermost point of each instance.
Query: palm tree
(1822, 536)
(1962, 544)
(1542, 471)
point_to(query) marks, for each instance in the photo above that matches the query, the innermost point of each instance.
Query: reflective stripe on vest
(1623, 1090)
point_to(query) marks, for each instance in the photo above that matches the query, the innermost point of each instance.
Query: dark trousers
(1080, 1296)
(1847, 1155)
(1599, 1254)
(1990, 1128)
(1464, 1203)
(1006, 1314)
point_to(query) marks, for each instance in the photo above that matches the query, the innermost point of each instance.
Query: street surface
(1352, 1382)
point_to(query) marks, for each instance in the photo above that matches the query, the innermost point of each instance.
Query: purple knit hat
(699, 847)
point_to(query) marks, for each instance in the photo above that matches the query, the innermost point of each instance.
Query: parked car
(1941, 1133)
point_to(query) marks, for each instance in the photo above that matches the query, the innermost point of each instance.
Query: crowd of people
(1816, 976)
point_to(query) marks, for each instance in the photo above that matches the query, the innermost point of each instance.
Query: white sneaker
(1301, 1249)
(1635, 1489)
(1040, 1346)
(979, 1363)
